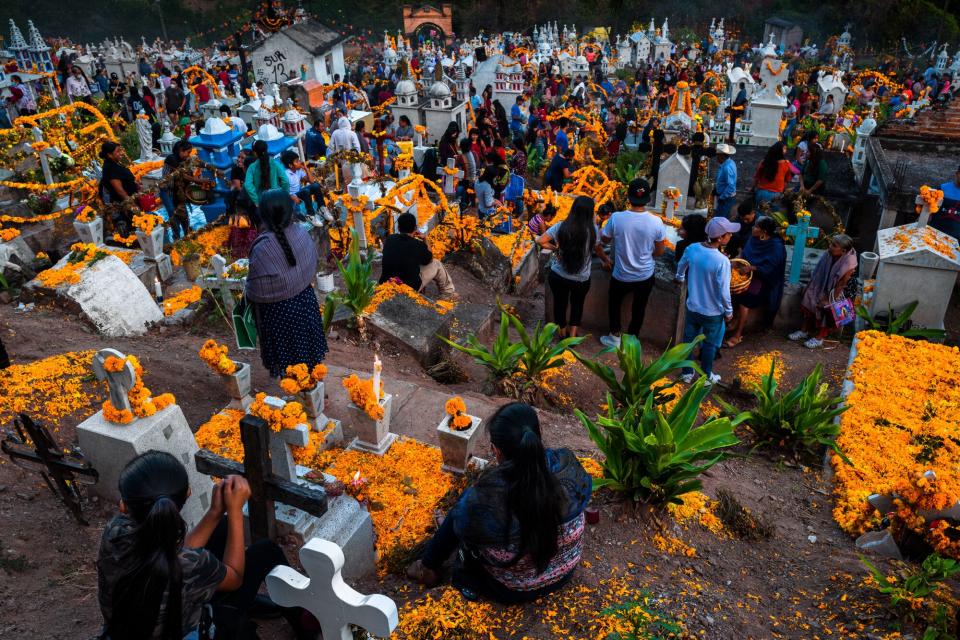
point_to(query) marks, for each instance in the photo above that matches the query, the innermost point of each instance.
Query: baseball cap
(719, 226)
(638, 192)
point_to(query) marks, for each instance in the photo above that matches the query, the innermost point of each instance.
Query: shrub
(638, 380)
(655, 457)
(540, 353)
(501, 359)
(914, 591)
(898, 325)
(359, 286)
(802, 418)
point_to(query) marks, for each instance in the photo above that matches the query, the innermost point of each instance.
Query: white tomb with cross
(109, 447)
(222, 283)
(917, 262)
(450, 176)
(332, 601)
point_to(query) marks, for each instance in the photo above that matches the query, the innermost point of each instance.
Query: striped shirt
(271, 278)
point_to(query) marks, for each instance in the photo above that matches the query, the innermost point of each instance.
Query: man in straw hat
(726, 183)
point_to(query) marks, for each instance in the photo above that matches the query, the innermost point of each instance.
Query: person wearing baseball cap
(638, 237)
(726, 184)
(707, 274)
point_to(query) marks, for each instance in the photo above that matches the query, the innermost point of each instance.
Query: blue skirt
(291, 332)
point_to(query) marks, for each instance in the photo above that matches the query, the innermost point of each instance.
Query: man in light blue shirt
(638, 237)
(726, 186)
(707, 274)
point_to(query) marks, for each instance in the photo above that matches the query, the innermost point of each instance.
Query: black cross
(265, 487)
(656, 150)
(34, 449)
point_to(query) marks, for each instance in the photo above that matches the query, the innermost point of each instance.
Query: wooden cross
(800, 232)
(450, 175)
(265, 486)
(63, 472)
(332, 601)
(120, 382)
(655, 149)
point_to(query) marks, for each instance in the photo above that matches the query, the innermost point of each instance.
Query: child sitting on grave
(519, 529)
(157, 580)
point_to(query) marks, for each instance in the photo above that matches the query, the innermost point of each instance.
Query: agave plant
(540, 353)
(899, 324)
(639, 380)
(501, 359)
(655, 457)
(359, 287)
(802, 418)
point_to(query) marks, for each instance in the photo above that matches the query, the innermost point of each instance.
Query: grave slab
(109, 447)
(472, 317)
(414, 326)
(109, 295)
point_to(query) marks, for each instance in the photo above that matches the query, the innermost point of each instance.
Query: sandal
(732, 342)
(417, 572)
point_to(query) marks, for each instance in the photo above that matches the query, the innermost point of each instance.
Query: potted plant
(189, 253)
(88, 225)
(150, 231)
(458, 433)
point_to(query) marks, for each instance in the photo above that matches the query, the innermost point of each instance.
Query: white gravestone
(674, 172)
(331, 600)
(450, 175)
(109, 447)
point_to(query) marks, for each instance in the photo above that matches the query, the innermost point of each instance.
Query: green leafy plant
(900, 324)
(913, 591)
(540, 353)
(359, 287)
(654, 457)
(802, 418)
(628, 165)
(535, 160)
(645, 621)
(330, 305)
(501, 359)
(640, 380)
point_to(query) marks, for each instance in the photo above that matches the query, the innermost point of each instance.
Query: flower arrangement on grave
(893, 439)
(361, 394)
(238, 270)
(41, 256)
(142, 404)
(85, 214)
(145, 222)
(456, 408)
(81, 256)
(931, 198)
(300, 378)
(181, 300)
(392, 288)
(404, 161)
(215, 357)
(289, 417)
(6, 235)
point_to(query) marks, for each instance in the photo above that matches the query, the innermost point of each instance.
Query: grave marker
(451, 175)
(331, 600)
(800, 232)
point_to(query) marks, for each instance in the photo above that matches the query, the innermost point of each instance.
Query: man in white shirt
(707, 273)
(638, 237)
(77, 86)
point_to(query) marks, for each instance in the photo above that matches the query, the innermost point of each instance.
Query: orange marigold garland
(361, 394)
(181, 300)
(215, 357)
(288, 417)
(456, 408)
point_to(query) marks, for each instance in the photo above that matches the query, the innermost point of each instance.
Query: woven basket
(739, 266)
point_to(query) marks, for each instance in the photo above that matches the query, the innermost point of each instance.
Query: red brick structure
(416, 19)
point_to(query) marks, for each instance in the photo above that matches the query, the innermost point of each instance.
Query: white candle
(377, 367)
(157, 289)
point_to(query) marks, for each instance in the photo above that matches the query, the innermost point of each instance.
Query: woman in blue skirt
(283, 265)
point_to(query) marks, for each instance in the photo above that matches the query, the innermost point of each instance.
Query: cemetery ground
(802, 579)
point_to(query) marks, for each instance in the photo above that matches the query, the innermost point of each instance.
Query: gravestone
(109, 295)
(674, 172)
(800, 232)
(414, 326)
(109, 447)
(450, 175)
(917, 262)
(324, 594)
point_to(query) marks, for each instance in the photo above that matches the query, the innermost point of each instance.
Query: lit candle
(157, 289)
(377, 368)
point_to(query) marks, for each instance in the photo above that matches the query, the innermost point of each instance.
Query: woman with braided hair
(283, 264)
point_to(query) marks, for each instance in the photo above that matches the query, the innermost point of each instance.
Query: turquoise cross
(800, 232)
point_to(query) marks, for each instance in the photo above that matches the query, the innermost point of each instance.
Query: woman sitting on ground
(830, 278)
(519, 528)
(283, 264)
(157, 580)
(767, 256)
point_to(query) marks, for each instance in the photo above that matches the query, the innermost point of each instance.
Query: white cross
(324, 594)
(120, 382)
(450, 179)
(925, 211)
